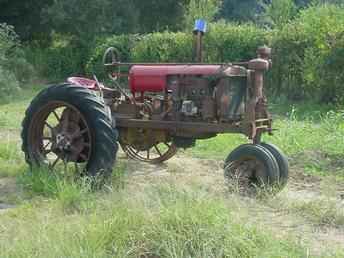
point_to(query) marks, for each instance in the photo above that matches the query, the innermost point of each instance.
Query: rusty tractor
(79, 124)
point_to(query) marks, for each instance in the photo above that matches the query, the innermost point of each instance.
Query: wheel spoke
(47, 138)
(55, 162)
(48, 125)
(65, 121)
(157, 149)
(147, 155)
(46, 152)
(45, 146)
(79, 134)
(56, 116)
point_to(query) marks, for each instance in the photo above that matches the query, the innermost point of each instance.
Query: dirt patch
(208, 174)
(9, 193)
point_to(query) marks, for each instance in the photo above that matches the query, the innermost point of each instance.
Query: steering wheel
(111, 54)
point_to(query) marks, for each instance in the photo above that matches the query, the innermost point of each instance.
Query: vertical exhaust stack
(199, 31)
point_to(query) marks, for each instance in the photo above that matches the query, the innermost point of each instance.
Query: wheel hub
(246, 172)
(62, 143)
(68, 142)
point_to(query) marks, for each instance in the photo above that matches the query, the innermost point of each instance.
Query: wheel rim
(248, 172)
(156, 154)
(59, 135)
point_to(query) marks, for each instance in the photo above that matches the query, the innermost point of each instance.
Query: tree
(276, 13)
(239, 10)
(25, 16)
(157, 15)
(88, 19)
(202, 9)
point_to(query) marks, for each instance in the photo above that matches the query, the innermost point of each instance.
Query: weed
(11, 158)
(71, 195)
(119, 175)
(321, 212)
(159, 222)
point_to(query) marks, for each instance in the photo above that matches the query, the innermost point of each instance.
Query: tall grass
(11, 158)
(311, 140)
(156, 222)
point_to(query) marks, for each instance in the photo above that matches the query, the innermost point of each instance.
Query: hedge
(66, 56)
(14, 69)
(223, 43)
(308, 55)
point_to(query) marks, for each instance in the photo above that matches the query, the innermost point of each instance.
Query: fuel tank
(143, 78)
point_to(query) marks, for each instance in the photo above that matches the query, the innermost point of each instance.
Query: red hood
(164, 70)
(154, 78)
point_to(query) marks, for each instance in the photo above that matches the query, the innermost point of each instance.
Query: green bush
(308, 55)
(64, 57)
(224, 42)
(123, 44)
(307, 52)
(227, 42)
(8, 47)
(164, 47)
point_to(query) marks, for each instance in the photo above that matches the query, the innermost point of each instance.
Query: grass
(313, 143)
(156, 222)
(13, 109)
(322, 212)
(59, 217)
(11, 158)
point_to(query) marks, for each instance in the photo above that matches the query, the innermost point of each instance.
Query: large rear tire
(67, 123)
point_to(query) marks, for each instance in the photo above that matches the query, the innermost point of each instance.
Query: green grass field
(177, 213)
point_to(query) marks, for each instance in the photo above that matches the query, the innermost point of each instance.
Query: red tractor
(78, 125)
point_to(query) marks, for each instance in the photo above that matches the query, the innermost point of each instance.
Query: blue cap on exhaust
(200, 26)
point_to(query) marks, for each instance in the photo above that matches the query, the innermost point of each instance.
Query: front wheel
(251, 167)
(66, 128)
(282, 162)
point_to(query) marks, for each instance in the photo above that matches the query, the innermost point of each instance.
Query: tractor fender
(86, 83)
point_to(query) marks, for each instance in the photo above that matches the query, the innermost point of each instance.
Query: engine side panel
(144, 78)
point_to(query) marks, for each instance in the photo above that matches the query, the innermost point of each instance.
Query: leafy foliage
(123, 44)
(228, 42)
(92, 18)
(307, 55)
(25, 16)
(201, 9)
(164, 47)
(157, 15)
(64, 57)
(278, 12)
(238, 10)
(225, 42)
(8, 44)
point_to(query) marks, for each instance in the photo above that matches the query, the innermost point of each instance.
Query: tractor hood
(143, 78)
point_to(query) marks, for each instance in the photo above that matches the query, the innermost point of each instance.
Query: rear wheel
(66, 128)
(251, 167)
(155, 154)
